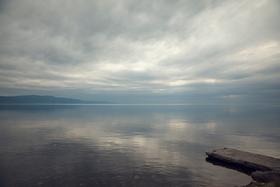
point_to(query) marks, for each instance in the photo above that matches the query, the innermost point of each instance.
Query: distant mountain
(38, 99)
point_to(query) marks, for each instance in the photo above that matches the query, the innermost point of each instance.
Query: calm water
(129, 145)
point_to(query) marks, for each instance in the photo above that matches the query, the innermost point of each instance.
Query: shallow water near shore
(130, 145)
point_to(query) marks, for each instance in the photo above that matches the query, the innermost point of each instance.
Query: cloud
(147, 47)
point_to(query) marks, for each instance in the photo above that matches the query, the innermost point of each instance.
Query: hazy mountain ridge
(39, 99)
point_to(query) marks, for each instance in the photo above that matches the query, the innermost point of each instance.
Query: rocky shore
(264, 170)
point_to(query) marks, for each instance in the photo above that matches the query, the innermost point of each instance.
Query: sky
(148, 51)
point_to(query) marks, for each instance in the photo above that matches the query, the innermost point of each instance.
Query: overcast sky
(141, 51)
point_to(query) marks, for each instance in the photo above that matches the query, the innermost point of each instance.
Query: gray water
(124, 145)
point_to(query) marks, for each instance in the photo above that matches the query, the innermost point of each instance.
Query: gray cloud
(130, 49)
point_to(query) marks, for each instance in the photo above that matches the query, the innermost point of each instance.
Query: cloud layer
(180, 49)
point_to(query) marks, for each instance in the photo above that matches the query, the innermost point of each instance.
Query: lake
(130, 145)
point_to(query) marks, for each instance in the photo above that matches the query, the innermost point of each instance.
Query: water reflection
(129, 145)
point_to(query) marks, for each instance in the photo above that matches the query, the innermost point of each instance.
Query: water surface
(125, 145)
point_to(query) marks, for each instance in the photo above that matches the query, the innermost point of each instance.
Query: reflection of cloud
(161, 139)
(155, 150)
(211, 125)
(178, 125)
(150, 149)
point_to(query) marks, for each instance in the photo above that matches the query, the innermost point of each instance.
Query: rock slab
(245, 159)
